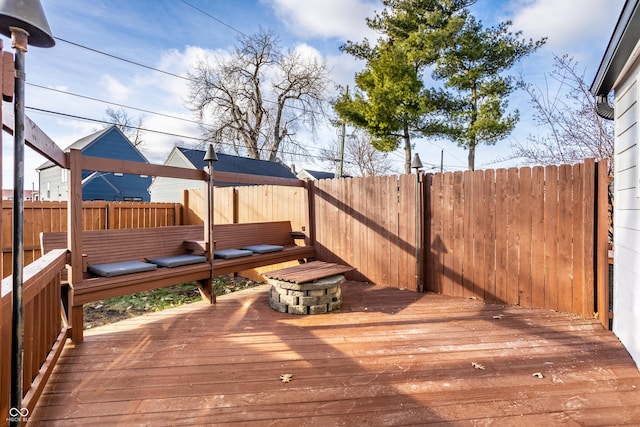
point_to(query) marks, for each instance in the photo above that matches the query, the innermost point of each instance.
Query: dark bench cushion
(231, 253)
(177, 260)
(263, 249)
(120, 268)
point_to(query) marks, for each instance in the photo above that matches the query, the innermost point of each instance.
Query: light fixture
(24, 21)
(416, 163)
(210, 157)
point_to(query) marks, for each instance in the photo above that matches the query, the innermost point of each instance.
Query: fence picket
(525, 235)
(478, 213)
(551, 237)
(489, 236)
(501, 236)
(537, 237)
(565, 237)
(458, 233)
(448, 282)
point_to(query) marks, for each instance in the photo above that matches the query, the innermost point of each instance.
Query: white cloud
(341, 19)
(570, 25)
(343, 68)
(116, 91)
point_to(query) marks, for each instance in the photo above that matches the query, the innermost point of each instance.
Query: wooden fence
(520, 236)
(255, 203)
(370, 224)
(52, 216)
(524, 236)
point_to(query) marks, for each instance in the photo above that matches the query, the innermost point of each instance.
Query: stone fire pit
(308, 288)
(320, 296)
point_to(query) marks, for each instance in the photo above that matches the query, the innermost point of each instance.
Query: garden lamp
(416, 164)
(210, 157)
(24, 21)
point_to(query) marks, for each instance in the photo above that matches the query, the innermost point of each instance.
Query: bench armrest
(195, 247)
(298, 235)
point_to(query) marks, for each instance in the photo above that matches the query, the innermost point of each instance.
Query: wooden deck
(390, 357)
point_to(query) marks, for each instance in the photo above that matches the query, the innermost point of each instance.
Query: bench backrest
(235, 236)
(105, 246)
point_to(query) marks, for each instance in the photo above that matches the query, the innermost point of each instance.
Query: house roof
(82, 143)
(236, 164)
(308, 173)
(320, 174)
(620, 49)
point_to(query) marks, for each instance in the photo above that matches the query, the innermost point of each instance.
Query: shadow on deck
(389, 357)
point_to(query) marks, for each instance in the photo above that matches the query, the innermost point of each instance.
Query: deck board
(389, 357)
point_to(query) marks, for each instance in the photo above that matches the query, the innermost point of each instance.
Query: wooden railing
(45, 331)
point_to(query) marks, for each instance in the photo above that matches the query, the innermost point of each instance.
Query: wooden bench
(140, 244)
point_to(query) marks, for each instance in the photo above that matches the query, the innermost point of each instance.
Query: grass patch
(124, 307)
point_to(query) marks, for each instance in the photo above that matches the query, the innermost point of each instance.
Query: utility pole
(342, 138)
(341, 164)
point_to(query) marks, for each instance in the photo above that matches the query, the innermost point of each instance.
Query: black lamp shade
(210, 155)
(29, 16)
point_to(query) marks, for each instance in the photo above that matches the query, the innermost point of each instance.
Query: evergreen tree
(440, 36)
(472, 65)
(390, 102)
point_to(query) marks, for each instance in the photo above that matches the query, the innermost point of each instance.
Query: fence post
(235, 197)
(602, 243)
(423, 231)
(311, 219)
(185, 206)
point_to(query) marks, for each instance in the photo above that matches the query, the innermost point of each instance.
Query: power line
(117, 104)
(123, 59)
(188, 137)
(148, 67)
(88, 119)
(214, 18)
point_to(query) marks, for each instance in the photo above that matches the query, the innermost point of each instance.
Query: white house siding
(626, 298)
(52, 187)
(171, 190)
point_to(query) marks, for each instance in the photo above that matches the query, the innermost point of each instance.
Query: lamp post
(416, 164)
(24, 21)
(210, 157)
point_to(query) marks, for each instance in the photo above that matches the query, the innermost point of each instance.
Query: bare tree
(257, 98)
(360, 156)
(130, 126)
(575, 131)
(566, 108)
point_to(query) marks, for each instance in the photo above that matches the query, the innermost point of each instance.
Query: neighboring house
(165, 189)
(108, 143)
(619, 72)
(29, 195)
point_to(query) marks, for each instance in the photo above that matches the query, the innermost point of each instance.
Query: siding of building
(108, 143)
(171, 189)
(53, 185)
(164, 189)
(626, 299)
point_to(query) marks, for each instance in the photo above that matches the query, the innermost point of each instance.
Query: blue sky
(171, 34)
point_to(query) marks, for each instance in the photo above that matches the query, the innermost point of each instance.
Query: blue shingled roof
(236, 164)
